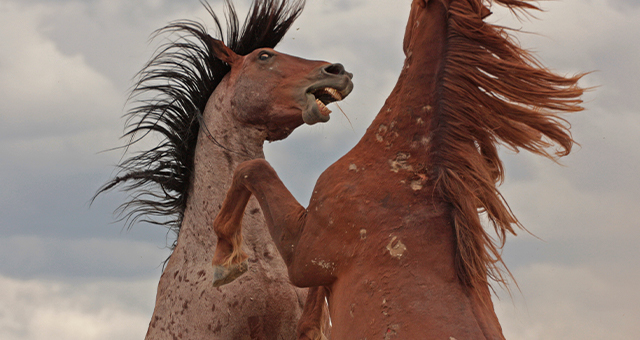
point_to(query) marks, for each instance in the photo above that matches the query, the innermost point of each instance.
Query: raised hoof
(223, 275)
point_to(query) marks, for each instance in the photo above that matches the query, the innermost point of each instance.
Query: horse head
(425, 14)
(279, 91)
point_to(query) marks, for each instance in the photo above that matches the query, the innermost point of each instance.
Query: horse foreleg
(314, 323)
(229, 260)
(285, 218)
(283, 214)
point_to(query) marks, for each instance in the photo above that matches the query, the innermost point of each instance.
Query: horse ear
(222, 52)
(485, 12)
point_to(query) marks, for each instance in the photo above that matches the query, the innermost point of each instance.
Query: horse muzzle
(334, 85)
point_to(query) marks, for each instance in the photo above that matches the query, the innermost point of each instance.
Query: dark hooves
(223, 275)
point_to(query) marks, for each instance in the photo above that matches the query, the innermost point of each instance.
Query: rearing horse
(393, 228)
(213, 105)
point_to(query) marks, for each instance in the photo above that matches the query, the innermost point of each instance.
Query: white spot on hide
(400, 163)
(323, 264)
(363, 234)
(396, 249)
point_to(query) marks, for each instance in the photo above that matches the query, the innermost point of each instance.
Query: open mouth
(324, 96)
(328, 89)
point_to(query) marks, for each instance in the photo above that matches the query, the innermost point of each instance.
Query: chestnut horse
(214, 105)
(393, 228)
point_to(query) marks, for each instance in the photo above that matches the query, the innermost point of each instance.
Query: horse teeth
(334, 93)
(323, 108)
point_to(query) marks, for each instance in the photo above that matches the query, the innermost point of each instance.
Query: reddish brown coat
(393, 228)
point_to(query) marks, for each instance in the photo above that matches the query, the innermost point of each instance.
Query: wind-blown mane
(490, 91)
(175, 86)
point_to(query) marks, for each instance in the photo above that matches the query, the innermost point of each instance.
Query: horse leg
(229, 260)
(283, 214)
(314, 322)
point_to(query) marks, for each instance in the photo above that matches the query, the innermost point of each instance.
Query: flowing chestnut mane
(491, 91)
(175, 86)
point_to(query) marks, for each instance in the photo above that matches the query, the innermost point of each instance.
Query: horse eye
(264, 56)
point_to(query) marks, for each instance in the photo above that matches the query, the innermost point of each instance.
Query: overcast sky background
(67, 271)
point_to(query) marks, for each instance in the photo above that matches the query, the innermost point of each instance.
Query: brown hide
(393, 228)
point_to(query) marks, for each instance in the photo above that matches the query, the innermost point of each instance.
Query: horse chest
(373, 214)
(365, 188)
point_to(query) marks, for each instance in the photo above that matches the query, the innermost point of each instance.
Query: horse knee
(249, 170)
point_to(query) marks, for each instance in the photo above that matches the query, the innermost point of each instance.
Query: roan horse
(247, 93)
(393, 228)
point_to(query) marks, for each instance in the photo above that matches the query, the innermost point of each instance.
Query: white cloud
(54, 310)
(42, 89)
(570, 302)
(552, 204)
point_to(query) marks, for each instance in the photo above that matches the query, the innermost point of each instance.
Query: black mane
(176, 85)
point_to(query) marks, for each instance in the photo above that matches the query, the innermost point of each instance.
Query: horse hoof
(223, 275)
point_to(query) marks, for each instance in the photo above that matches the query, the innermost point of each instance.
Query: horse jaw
(316, 110)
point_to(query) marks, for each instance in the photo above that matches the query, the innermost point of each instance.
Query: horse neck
(414, 98)
(215, 162)
(409, 113)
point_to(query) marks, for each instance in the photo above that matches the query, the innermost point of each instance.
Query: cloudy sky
(67, 271)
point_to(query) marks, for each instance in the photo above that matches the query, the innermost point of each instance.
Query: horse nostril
(336, 69)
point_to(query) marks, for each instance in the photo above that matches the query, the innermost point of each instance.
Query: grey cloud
(625, 5)
(50, 168)
(78, 258)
